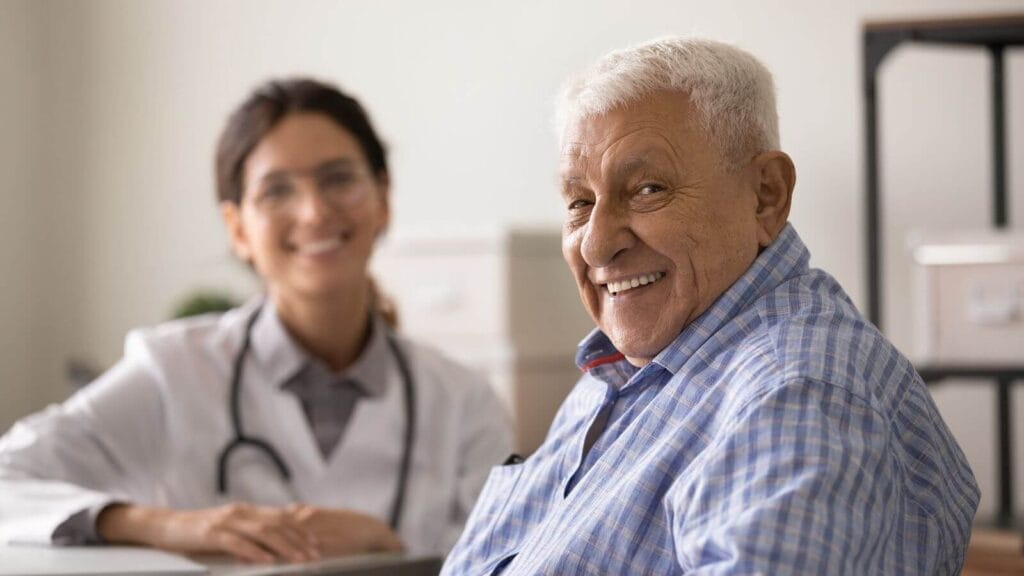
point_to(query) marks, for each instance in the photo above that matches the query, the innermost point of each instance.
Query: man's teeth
(619, 287)
(320, 246)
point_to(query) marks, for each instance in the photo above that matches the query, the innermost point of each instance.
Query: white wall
(132, 94)
(16, 139)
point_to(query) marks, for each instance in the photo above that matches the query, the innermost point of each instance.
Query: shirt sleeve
(80, 527)
(485, 442)
(800, 484)
(60, 467)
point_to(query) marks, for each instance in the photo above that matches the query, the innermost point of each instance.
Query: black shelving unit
(996, 34)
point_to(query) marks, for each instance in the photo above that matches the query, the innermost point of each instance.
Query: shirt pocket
(496, 494)
(489, 535)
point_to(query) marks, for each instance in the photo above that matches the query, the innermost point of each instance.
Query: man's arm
(803, 483)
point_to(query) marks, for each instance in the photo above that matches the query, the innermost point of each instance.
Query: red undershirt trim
(602, 361)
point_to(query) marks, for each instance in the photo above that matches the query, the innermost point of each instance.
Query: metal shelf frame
(996, 34)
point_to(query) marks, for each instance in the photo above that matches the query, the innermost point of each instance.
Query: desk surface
(88, 560)
(113, 560)
(367, 565)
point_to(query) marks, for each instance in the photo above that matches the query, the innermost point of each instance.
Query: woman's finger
(266, 533)
(300, 538)
(241, 548)
(391, 543)
(291, 529)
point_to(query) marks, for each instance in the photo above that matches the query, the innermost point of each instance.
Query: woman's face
(311, 209)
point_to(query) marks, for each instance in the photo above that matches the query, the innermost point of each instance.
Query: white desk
(89, 560)
(368, 565)
(115, 560)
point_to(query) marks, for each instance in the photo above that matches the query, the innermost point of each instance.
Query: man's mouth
(627, 284)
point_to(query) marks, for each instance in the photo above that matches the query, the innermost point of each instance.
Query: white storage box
(968, 297)
(503, 302)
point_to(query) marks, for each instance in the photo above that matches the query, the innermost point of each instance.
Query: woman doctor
(296, 426)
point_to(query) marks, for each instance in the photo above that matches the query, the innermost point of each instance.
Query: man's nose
(607, 235)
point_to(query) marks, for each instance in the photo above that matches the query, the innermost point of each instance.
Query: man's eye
(579, 204)
(648, 189)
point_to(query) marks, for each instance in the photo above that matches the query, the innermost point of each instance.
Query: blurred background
(109, 111)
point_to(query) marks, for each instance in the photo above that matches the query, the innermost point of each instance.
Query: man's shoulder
(812, 331)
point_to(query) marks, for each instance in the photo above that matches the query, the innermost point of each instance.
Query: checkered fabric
(780, 433)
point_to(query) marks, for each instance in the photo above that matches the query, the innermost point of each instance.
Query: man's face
(656, 226)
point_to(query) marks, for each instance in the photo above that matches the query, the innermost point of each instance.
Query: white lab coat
(150, 431)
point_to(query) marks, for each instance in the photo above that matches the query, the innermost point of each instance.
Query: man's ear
(231, 213)
(776, 177)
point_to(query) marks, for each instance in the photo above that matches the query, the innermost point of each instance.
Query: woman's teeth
(624, 285)
(319, 247)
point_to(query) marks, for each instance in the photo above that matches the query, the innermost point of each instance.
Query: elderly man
(736, 414)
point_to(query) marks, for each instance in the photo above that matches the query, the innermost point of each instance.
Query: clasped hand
(296, 533)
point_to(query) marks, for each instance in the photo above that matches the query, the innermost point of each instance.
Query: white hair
(732, 92)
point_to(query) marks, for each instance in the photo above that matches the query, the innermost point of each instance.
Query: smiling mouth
(618, 287)
(319, 247)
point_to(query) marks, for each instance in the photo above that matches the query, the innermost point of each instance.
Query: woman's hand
(248, 532)
(342, 532)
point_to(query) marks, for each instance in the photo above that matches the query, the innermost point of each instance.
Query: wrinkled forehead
(572, 152)
(662, 121)
(585, 136)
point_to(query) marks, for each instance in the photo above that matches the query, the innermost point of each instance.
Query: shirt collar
(282, 359)
(597, 356)
(783, 259)
(370, 370)
(279, 356)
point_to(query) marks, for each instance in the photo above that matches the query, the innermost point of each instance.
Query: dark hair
(271, 102)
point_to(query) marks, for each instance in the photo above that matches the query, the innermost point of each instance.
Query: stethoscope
(242, 439)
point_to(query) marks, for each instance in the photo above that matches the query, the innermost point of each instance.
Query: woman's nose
(313, 205)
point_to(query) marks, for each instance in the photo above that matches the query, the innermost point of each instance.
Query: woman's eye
(276, 191)
(336, 179)
(647, 189)
(578, 204)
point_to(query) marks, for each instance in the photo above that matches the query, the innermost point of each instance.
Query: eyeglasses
(340, 184)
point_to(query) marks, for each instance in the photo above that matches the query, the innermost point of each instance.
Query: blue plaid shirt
(780, 433)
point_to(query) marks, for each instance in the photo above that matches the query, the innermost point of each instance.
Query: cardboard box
(968, 295)
(502, 301)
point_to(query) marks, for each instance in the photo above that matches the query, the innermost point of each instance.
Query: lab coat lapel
(278, 359)
(365, 464)
(274, 416)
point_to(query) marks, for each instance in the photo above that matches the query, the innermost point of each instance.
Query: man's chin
(637, 346)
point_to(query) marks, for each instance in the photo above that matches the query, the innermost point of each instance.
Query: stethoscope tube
(242, 439)
(405, 466)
